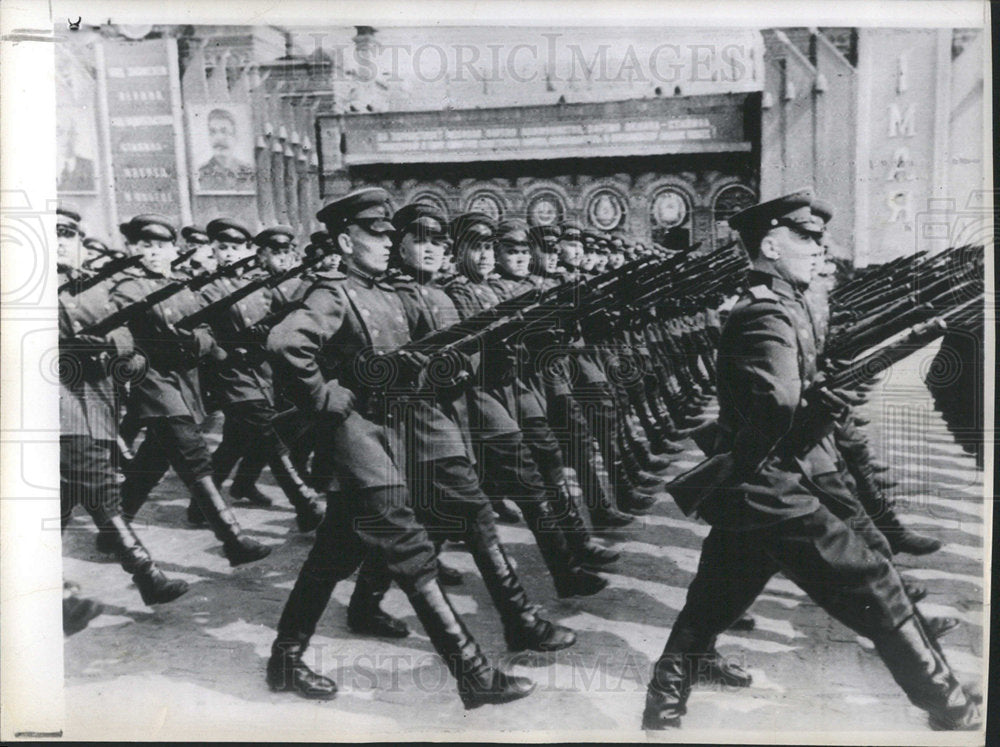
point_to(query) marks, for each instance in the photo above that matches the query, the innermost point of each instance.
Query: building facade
(662, 133)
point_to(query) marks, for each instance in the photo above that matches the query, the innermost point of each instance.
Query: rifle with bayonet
(207, 313)
(126, 314)
(77, 286)
(720, 471)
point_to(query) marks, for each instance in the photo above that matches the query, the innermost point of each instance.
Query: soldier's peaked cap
(793, 210)
(66, 216)
(226, 229)
(148, 226)
(472, 226)
(96, 245)
(822, 209)
(195, 235)
(370, 203)
(275, 236)
(513, 229)
(571, 231)
(427, 216)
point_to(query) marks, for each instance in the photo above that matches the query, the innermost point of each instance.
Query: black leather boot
(249, 492)
(286, 672)
(504, 512)
(654, 463)
(667, 693)
(926, 678)
(304, 499)
(365, 616)
(153, 584)
(568, 575)
(627, 498)
(880, 508)
(712, 668)
(523, 627)
(479, 683)
(237, 547)
(609, 518)
(915, 590)
(244, 485)
(586, 553)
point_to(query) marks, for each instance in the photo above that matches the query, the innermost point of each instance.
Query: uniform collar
(366, 280)
(779, 285)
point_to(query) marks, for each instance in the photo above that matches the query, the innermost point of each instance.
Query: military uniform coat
(317, 352)
(170, 386)
(88, 405)
(766, 359)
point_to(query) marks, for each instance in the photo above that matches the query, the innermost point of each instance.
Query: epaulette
(456, 280)
(762, 293)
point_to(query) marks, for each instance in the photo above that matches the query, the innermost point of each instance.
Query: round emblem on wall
(669, 209)
(545, 210)
(484, 202)
(605, 210)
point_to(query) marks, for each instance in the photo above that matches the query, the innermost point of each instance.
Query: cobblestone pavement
(195, 668)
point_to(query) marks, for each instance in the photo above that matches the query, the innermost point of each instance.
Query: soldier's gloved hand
(498, 367)
(538, 340)
(337, 401)
(449, 372)
(132, 367)
(412, 362)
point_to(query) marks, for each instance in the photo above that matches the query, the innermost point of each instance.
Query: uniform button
(365, 312)
(434, 309)
(375, 333)
(400, 319)
(423, 291)
(167, 313)
(352, 293)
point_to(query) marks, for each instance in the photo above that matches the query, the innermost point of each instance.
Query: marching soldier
(243, 379)
(851, 442)
(88, 418)
(168, 396)
(202, 258)
(315, 349)
(772, 456)
(506, 457)
(579, 405)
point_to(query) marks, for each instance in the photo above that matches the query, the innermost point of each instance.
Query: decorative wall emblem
(605, 210)
(669, 209)
(545, 210)
(485, 202)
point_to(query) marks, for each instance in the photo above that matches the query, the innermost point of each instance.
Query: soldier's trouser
(376, 520)
(835, 567)
(87, 477)
(545, 450)
(601, 412)
(569, 424)
(174, 441)
(818, 552)
(508, 470)
(836, 494)
(451, 504)
(248, 433)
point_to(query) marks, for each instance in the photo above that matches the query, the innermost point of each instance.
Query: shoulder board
(762, 293)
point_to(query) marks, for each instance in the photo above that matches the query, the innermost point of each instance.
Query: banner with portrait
(221, 146)
(76, 121)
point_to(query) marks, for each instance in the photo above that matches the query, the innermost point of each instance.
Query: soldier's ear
(769, 248)
(345, 243)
